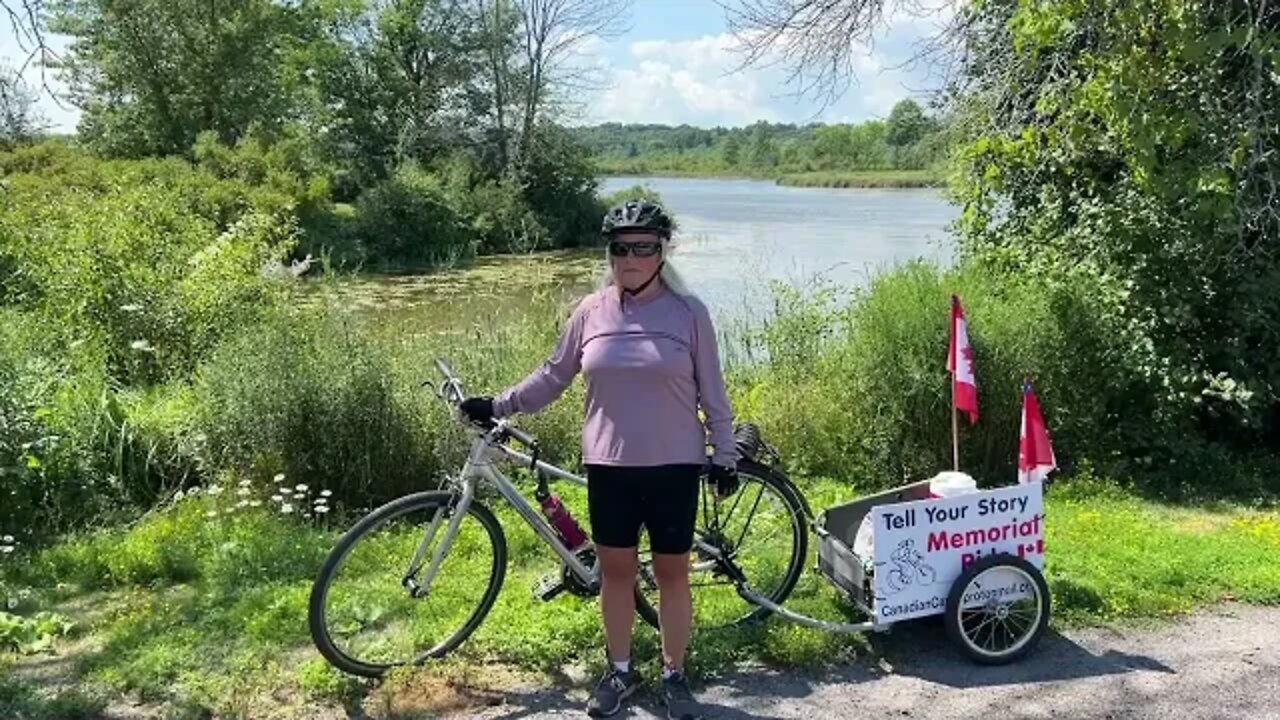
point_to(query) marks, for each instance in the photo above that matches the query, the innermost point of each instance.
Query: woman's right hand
(478, 410)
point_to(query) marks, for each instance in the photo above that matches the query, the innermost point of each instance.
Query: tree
(907, 124)
(731, 150)
(20, 121)
(149, 75)
(1135, 145)
(764, 152)
(819, 41)
(549, 32)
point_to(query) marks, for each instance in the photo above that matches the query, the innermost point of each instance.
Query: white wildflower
(244, 492)
(211, 514)
(277, 498)
(255, 503)
(6, 549)
(215, 490)
(322, 509)
(179, 495)
(278, 478)
(141, 346)
(131, 307)
(326, 493)
(246, 483)
(286, 508)
(300, 488)
(7, 539)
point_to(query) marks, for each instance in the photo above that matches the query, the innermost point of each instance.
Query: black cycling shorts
(662, 499)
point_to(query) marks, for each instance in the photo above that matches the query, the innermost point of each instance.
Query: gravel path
(1222, 662)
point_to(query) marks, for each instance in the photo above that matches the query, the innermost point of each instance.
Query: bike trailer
(837, 528)
(975, 557)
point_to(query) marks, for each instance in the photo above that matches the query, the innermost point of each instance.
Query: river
(733, 237)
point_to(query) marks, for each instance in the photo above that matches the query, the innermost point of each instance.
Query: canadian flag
(1035, 453)
(960, 364)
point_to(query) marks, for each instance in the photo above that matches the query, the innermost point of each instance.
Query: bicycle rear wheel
(762, 528)
(363, 618)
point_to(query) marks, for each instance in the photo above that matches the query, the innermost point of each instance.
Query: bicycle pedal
(548, 587)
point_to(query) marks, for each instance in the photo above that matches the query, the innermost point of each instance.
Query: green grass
(201, 614)
(863, 179)
(1112, 555)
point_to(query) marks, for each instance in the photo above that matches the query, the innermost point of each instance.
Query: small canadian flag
(1035, 453)
(960, 363)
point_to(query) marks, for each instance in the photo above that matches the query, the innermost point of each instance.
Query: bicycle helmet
(636, 215)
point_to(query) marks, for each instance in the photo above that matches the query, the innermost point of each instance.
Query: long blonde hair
(669, 275)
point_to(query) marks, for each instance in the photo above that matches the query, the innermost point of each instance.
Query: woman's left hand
(724, 478)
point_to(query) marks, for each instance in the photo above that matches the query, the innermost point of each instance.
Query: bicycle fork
(459, 511)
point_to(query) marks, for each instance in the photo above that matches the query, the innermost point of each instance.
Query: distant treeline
(909, 139)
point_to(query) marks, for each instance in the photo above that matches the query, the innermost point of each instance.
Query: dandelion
(286, 508)
(301, 488)
(325, 493)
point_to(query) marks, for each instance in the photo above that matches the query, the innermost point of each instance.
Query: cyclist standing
(647, 350)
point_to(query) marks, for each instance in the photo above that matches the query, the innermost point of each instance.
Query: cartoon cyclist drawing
(909, 567)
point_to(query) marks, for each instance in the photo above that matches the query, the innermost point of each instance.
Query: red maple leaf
(967, 352)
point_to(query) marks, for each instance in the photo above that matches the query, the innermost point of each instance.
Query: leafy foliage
(1096, 148)
(908, 140)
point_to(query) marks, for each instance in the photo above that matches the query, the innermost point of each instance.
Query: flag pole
(955, 430)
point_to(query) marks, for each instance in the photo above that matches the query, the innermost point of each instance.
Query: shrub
(859, 390)
(153, 260)
(311, 397)
(408, 221)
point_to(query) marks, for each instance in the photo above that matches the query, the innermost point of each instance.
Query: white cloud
(697, 82)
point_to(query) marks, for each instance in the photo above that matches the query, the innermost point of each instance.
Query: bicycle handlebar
(453, 385)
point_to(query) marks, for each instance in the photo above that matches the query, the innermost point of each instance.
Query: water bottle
(565, 526)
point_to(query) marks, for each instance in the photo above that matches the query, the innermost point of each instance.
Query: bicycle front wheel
(365, 619)
(762, 528)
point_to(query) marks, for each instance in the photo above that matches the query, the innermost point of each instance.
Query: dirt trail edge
(1221, 662)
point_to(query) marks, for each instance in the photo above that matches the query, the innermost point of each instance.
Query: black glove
(478, 410)
(724, 478)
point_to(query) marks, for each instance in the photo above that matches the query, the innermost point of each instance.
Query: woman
(647, 350)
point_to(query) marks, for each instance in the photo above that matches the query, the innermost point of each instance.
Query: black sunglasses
(644, 248)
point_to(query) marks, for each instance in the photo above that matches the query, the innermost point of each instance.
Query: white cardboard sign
(922, 547)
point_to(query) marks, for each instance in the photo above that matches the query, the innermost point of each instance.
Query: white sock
(668, 672)
(623, 665)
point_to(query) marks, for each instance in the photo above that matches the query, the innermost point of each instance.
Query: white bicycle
(414, 578)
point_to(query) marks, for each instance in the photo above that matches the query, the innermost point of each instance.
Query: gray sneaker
(679, 700)
(614, 687)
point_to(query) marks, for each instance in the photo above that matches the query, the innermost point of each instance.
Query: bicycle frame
(489, 446)
(480, 465)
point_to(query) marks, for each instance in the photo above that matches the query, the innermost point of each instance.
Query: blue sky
(672, 65)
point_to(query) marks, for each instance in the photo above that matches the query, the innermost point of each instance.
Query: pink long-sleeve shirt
(649, 365)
